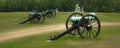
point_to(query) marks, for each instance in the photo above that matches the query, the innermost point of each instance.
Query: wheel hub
(89, 27)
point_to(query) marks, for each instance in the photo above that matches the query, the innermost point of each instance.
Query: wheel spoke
(86, 34)
(89, 34)
(92, 33)
(82, 29)
(94, 30)
(94, 24)
(92, 21)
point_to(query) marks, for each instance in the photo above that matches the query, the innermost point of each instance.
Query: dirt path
(30, 31)
(38, 30)
(110, 24)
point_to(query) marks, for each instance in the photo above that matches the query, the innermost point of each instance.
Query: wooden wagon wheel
(91, 25)
(70, 23)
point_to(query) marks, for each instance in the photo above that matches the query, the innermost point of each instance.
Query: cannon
(36, 17)
(86, 26)
(39, 17)
(50, 13)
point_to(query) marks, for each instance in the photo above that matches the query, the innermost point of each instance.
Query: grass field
(108, 38)
(10, 20)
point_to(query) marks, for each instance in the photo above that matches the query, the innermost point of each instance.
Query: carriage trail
(40, 29)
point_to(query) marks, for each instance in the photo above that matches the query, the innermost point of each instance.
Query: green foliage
(62, 5)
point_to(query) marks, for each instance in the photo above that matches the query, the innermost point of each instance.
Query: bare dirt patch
(30, 31)
(110, 24)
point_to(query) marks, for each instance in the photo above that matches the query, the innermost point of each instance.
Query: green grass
(108, 37)
(9, 20)
(108, 17)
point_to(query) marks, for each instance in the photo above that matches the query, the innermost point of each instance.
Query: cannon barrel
(32, 13)
(79, 18)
